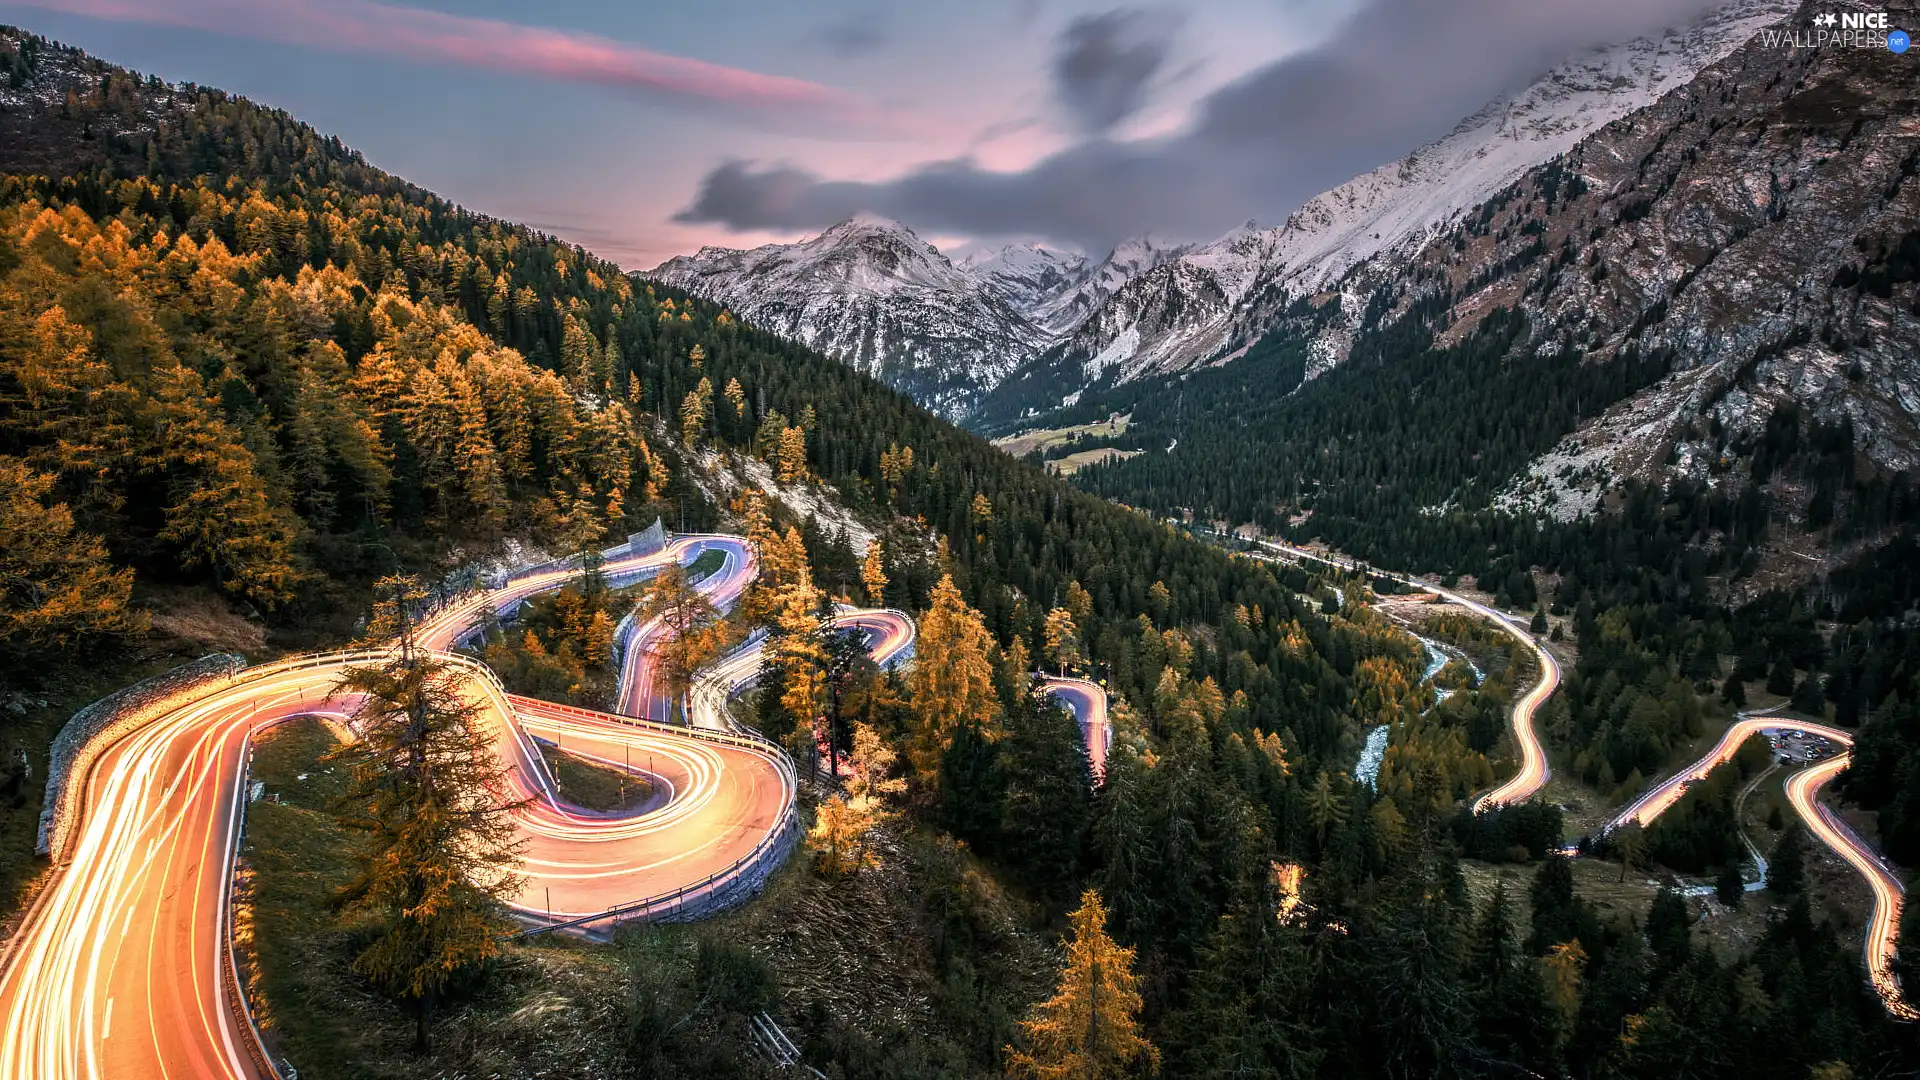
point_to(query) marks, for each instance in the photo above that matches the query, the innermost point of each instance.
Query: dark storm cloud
(1400, 73)
(855, 33)
(1104, 64)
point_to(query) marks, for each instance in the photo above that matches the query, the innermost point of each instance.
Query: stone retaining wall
(96, 726)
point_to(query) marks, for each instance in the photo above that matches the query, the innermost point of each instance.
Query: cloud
(486, 44)
(855, 33)
(1104, 64)
(1398, 74)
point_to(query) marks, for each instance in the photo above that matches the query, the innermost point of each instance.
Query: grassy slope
(593, 786)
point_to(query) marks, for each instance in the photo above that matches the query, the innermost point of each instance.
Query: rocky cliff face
(1216, 300)
(1759, 227)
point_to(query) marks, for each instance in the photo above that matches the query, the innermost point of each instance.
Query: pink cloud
(488, 44)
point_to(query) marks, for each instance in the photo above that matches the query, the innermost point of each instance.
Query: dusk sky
(644, 130)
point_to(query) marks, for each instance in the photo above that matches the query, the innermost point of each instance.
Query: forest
(238, 359)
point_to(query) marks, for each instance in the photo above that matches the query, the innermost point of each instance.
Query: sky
(643, 129)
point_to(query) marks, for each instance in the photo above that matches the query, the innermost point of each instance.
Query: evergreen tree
(1780, 677)
(1787, 866)
(1511, 998)
(1048, 795)
(1734, 691)
(1730, 888)
(1555, 909)
(1808, 697)
(1667, 929)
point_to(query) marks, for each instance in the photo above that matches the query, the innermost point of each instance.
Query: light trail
(1803, 791)
(122, 967)
(1088, 703)
(1534, 771)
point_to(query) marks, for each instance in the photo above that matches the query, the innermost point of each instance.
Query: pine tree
(438, 852)
(1630, 843)
(1090, 1028)
(1734, 691)
(1326, 809)
(1048, 794)
(1509, 990)
(951, 682)
(846, 667)
(1667, 930)
(1780, 677)
(1787, 866)
(1729, 888)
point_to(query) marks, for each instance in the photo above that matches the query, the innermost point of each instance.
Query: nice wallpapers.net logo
(1845, 30)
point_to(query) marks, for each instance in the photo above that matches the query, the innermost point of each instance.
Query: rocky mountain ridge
(872, 292)
(1217, 300)
(1016, 329)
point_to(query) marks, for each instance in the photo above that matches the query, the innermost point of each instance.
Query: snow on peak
(1194, 306)
(1401, 203)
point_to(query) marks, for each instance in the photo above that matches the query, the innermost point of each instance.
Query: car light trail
(1803, 791)
(1534, 770)
(1088, 703)
(121, 967)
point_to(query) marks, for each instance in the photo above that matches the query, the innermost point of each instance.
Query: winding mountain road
(1803, 788)
(1803, 791)
(121, 968)
(1088, 703)
(1534, 771)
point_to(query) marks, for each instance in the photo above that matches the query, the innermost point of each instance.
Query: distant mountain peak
(1157, 306)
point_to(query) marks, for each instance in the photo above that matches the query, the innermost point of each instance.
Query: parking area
(1799, 747)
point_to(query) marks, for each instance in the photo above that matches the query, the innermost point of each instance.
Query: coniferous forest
(238, 361)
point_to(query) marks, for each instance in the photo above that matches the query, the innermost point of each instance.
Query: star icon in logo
(1827, 19)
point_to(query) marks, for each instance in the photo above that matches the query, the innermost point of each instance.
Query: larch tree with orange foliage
(873, 574)
(56, 587)
(1090, 1028)
(695, 634)
(951, 682)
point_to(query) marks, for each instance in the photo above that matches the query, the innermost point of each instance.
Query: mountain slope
(875, 295)
(1216, 300)
(1712, 299)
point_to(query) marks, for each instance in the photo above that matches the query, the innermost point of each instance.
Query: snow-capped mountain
(1066, 310)
(1023, 326)
(1213, 301)
(1027, 275)
(874, 294)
